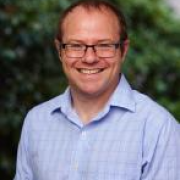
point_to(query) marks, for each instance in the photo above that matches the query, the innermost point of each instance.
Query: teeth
(89, 71)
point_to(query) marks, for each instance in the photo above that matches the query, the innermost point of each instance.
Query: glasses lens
(105, 50)
(74, 50)
(74, 53)
(79, 50)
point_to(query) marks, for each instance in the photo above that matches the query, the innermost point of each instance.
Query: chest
(102, 152)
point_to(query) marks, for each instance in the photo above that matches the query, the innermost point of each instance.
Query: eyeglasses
(101, 50)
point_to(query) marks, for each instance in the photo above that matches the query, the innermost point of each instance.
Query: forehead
(81, 20)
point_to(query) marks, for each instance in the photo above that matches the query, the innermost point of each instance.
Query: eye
(75, 47)
(104, 46)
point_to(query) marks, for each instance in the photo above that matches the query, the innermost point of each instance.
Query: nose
(90, 56)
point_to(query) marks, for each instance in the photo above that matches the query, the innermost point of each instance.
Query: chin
(90, 92)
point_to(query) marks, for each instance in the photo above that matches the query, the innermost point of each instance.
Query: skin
(92, 79)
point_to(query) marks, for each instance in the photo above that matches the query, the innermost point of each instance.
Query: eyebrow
(83, 42)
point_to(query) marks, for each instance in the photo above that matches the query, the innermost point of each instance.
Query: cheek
(68, 67)
(119, 59)
(116, 67)
(64, 61)
(64, 65)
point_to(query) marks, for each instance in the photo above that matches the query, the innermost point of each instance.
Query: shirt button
(84, 134)
(76, 166)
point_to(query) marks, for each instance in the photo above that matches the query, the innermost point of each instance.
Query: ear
(125, 48)
(57, 45)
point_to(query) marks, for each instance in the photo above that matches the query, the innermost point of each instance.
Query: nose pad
(90, 55)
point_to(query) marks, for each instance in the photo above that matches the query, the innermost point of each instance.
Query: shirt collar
(64, 103)
(122, 97)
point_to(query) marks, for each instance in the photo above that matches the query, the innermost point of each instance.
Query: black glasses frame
(116, 45)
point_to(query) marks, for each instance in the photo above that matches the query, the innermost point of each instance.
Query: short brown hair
(95, 4)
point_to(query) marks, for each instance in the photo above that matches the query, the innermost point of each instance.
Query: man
(99, 129)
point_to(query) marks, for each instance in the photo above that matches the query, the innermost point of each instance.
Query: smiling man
(91, 51)
(99, 128)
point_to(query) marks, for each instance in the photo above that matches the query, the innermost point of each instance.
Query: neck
(88, 106)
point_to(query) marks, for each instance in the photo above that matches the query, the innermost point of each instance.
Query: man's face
(91, 75)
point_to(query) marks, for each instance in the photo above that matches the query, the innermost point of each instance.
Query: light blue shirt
(132, 138)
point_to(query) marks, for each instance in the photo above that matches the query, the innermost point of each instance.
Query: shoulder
(43, 112)
(47, 106)
(153, 115)
(147, 104)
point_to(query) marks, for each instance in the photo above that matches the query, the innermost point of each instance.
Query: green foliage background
(30, 72)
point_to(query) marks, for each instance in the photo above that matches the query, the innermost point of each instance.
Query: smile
(90, 71)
